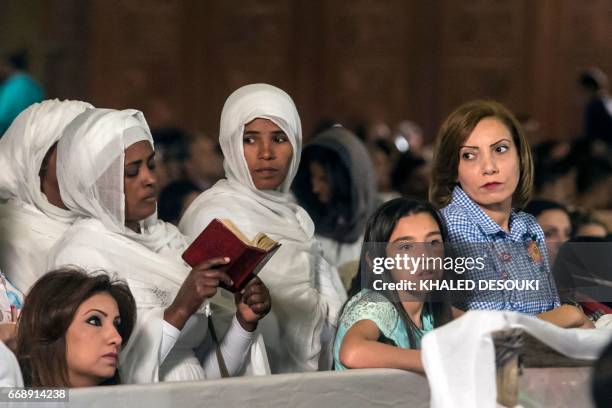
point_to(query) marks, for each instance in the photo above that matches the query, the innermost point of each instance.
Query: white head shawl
(90, 170)
(245, 105)
(294, 274)
(90, 161)
(24, 146)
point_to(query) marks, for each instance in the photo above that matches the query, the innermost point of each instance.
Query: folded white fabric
(459, 358)
(10, 374)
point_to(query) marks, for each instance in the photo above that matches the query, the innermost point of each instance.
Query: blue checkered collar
(517, 224)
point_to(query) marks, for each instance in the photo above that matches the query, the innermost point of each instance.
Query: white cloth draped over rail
(459, 357)
(90, 165)
(29, 224)
(307, 294)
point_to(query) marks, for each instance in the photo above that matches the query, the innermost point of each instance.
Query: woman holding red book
(261, 139)
(106, 173)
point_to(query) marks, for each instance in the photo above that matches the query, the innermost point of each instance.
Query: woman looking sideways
(482, 175)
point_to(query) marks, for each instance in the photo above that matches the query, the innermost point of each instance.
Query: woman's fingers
(260, 308)
(255, 298)
(213, 274)
(212, 263)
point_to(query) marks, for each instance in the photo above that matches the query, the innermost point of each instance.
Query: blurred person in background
(413, 140)
(555, 172)
(204, 163)
(336, 185)
(410, 176)
(383, 156)
(585, 224)
(18, 89)
(171, 151)
(555, 222)
(598, 109)
(174, 200)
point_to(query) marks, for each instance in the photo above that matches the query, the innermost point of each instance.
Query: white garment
(90, 171)
(10, 373)
(307, 294)
(29, 224)
(182, 363)
(459, 357)
(338, 254)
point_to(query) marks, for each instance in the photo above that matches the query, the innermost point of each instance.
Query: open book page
(264, 242)
(234, 229)
(261, 240)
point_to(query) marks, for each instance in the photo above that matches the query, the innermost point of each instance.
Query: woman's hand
(252, 304)
(8, 330)
(567, 316)
(201, 284)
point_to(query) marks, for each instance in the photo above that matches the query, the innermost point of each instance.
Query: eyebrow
(409, 238)
(97, 310)
(491, 145)
(151, 156)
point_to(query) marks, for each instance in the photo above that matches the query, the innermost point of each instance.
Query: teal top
(372, 305)
(17, 93)
(9, 296)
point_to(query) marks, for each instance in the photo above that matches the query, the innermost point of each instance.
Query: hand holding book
(221, 238)
(200, 284)
(252, 304)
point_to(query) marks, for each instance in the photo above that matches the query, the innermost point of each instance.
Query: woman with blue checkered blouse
(482, 173)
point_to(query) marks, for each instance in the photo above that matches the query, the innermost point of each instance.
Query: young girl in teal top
(383, 328)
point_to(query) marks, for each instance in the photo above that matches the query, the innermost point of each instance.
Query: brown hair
(453, 133)
(48, 311)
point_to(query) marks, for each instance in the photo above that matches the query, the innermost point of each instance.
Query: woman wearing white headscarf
(32, 215)
(261, 139)
(106, 172)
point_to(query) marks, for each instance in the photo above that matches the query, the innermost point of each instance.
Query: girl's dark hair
(325, 215)
(379, 228)
(48, 311)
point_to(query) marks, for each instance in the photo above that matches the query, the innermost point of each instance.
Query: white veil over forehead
(24, 146)
(90, 160)
(245, 105)
(29, 224)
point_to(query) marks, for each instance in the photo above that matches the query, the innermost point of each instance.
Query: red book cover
(246, 259)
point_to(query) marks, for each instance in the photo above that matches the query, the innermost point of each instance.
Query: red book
(221, 238)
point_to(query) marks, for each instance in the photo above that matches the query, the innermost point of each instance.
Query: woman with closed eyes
(106, 173)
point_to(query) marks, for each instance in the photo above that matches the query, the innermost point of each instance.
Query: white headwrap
(29, 223)
(24, 146)
(242, 107)
(304, 298)
(91, 169)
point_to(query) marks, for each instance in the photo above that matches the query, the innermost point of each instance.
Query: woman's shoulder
(459, 224)
(370, 305)
(526, 218)
(80, 243)
(216, 202)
